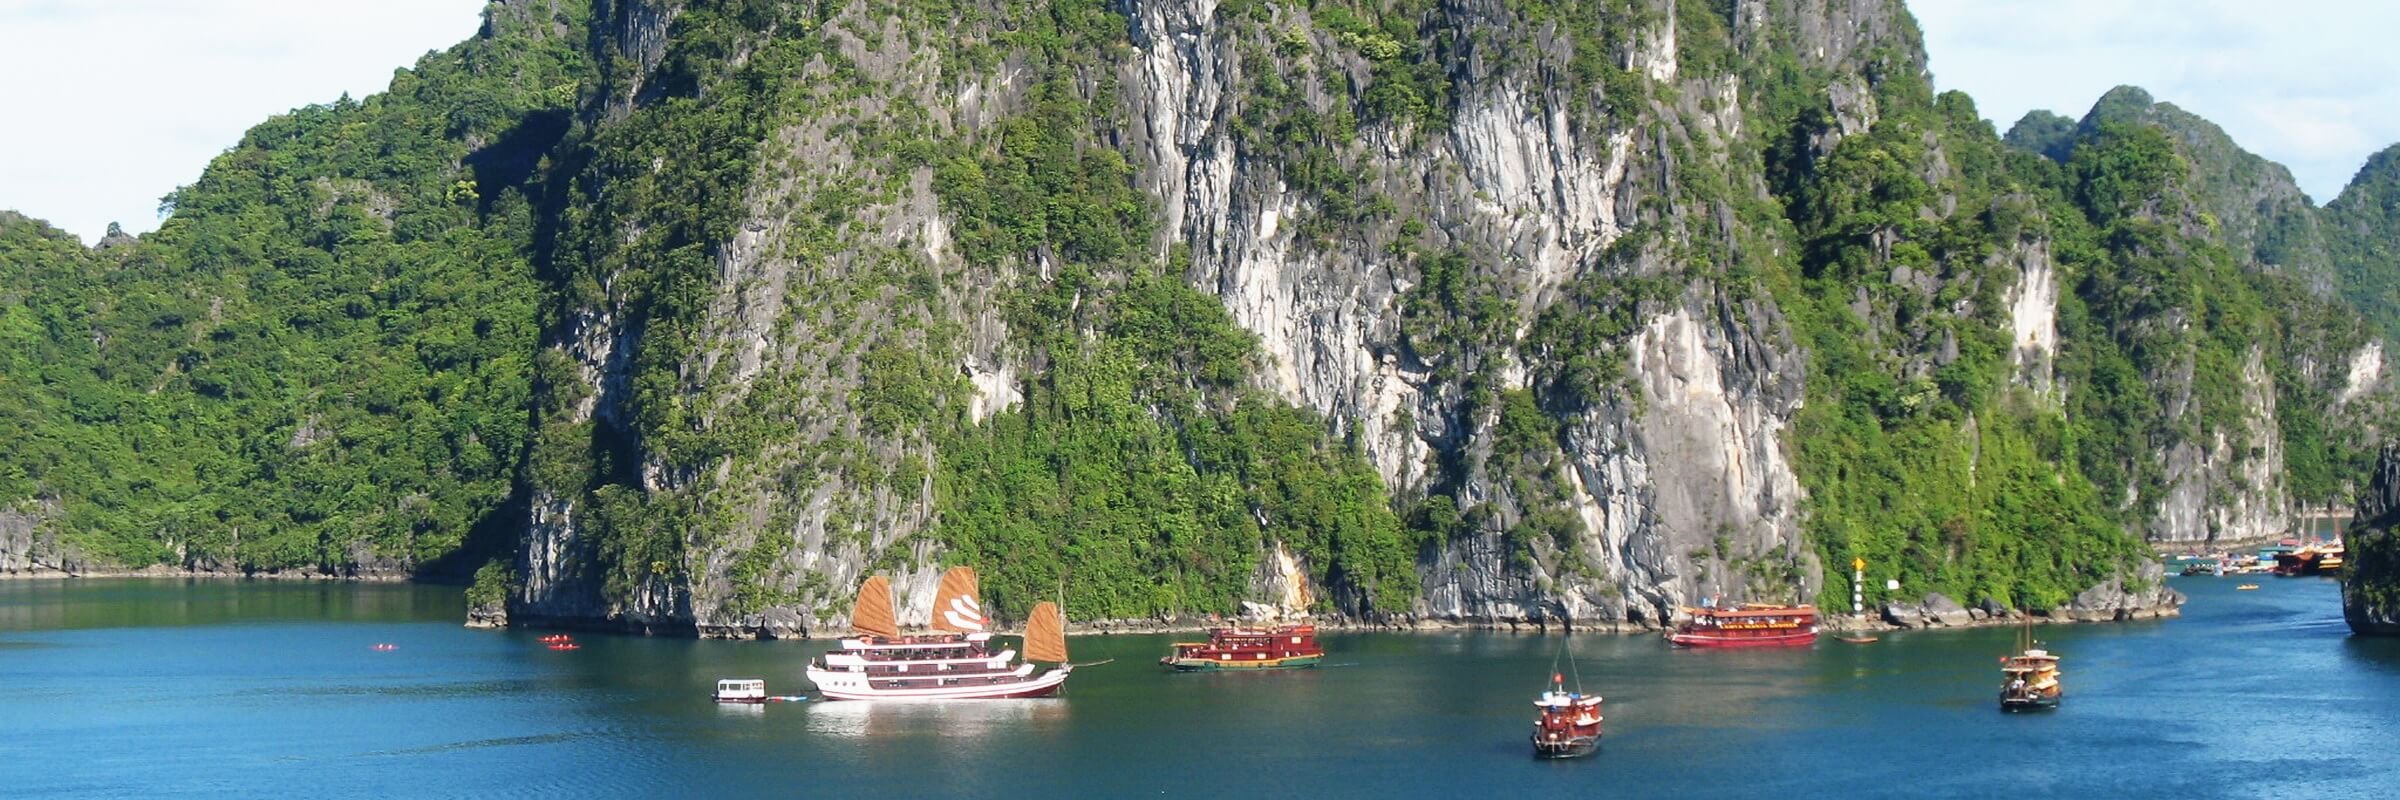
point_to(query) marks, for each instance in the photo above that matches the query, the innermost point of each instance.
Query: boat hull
(1697, 639)
(1209, 665)
(1572, 747)
(834, 687)
(2028, 703)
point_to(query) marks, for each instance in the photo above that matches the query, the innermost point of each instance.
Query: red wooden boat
(1286, 647)
(1747, 625)
(956, 662)
(1570, 723)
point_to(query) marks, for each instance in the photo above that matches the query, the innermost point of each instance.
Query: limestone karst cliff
(2371, 575)
(685, 317)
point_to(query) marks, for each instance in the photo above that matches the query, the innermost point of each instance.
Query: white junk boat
(957, 662)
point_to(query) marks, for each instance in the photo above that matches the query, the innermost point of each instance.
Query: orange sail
(872, 614)
(1046, 635)
(955, 606)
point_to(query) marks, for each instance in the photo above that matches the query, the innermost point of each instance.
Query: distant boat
(1235, 648)
(2314, 558)
(2270, 556)
(2246, 587)
(2029, 679)
(2330, 558)
(954, 663)
(1749, 625)
(749, 690)
(1860, 639)
(1569, 725)
(741, 690)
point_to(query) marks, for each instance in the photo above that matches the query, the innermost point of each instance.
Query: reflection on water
(960, 720)
(71, 603)
(741, 710)
(509, 741)
(2381, 655)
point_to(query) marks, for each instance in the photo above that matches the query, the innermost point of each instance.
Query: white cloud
(111, 104)
(2307, 83)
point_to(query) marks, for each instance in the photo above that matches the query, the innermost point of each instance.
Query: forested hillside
(687, 316)
(322, 359)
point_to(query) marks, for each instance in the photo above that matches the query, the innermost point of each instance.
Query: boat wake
(478, 744)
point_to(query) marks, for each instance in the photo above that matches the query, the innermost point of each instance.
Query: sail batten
(1046, 634)
(956, 606)
(872, 614)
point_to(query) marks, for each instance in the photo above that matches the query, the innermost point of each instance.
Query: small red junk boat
(1747, 625)
(1286, 647)
(1570, 723)
(956, 662)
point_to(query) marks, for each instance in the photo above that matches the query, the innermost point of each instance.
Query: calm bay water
(160, 688)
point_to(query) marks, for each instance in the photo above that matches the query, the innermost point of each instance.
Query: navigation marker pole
(1858, 582)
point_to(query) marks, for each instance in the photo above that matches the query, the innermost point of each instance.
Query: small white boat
(742, 690)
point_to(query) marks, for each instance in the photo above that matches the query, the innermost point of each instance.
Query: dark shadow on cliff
(495, 535)
(512, 161)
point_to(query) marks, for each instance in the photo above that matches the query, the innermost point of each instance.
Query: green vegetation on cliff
(1922, 450)
(319, 361)
(1139, 476)
(2363, 231)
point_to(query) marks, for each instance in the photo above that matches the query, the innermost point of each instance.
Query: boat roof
(1280, 630)
(917, 642)
(1556, 700)
(1752, 610)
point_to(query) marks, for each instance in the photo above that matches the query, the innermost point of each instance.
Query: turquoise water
(112, 688)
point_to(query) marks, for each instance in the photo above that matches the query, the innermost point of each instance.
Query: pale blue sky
(112, 103)
(107, 105)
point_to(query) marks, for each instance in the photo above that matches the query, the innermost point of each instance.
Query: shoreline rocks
(44, 572)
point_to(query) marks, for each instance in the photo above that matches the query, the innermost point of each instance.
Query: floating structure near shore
(1238, 648)
(750, 690)
(1747, 625)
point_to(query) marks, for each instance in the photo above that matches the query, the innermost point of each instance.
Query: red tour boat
(1570, 723)
(1286, 647)
(956, 662)
(1747, 625)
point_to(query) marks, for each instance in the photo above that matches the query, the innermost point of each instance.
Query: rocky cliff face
(23, 550)
(1540, 193)
(2371, 576)
(1472, 310)
(1666, 479)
